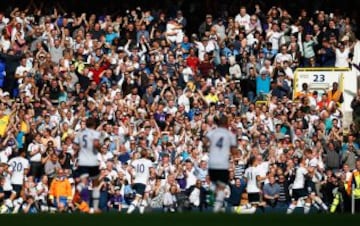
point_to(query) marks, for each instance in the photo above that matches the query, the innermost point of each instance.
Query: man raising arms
(221, 143)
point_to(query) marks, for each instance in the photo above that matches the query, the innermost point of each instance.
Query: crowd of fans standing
(148, 84)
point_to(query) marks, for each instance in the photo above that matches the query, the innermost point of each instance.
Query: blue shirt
(186, 46)
(271, 190)
(116, 200)
(124, 157)
(110, 37)
(262, 85)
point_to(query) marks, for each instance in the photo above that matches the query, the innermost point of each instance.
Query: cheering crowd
(137, 82)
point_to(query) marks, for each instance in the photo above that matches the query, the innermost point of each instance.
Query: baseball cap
(244, 138)
(6, 93)
(205, 39)
(345, 38)
(83, 176)
(263, 72)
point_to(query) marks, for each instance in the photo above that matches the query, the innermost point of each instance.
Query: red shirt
(204, 68)
(193, 62)
(323, 104)
(96, 73)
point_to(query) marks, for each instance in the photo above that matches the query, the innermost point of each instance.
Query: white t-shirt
(299, 181)
(34, 146)
(243, 21)
(17, 168)
(177, 35)
(142, 170)
(45, 190)
(280, 57)
(87, 155)
(251, 173)
(274, 39)
(221, 141)
(263, 169)
(4, 154)
(341, 58)
(190, 178)
(103, 158)
(20, 71)
(183, 99)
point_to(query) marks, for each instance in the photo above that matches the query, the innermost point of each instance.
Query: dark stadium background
(199, 7)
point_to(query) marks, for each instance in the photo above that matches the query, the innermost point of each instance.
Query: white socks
(132, 206)
(321, 203)
(307, 208)
(290, 209)
(219, 201)
(143, 205)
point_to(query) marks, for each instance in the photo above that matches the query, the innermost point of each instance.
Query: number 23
(319, 78)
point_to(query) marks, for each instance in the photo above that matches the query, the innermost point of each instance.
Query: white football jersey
(87, 154)
(221, 141)
(34, 146)
(251, 173)
(17, 168)
(299, 181)
(142, 170)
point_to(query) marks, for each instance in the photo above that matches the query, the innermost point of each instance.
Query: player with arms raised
(299, 190)
(87, 144)
(142, 168)
(221, 144)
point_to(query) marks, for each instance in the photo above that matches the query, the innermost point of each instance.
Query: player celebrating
(299, 189)
(19, 168)
(141, 171)
(87, 143)
(221, 143)
(252, 176)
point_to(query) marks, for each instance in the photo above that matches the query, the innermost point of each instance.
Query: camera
(107, 180)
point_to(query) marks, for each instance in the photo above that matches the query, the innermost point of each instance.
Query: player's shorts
(17, 188)
(139, 188)
(254, 198)
(299, 193)
(217, 175)
(311, 188)
(93, 171)
(7, 194)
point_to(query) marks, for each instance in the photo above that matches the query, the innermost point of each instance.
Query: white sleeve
(208, 134)
(246, 174)
(26, 164)
(97, 135)
(30, 147)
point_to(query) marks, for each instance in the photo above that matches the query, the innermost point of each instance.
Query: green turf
(188, 219)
